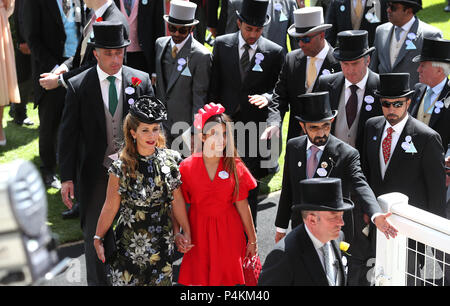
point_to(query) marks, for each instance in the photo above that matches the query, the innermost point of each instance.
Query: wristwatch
(98, 238)
(60, 82)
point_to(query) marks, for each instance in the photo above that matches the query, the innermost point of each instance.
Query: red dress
(217, 231)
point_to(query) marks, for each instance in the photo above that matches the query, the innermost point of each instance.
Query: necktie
(387, 145)
(113, 101)
(427, 101)
(312, 162)
(398, 31)
(328, 263)
(174, 51)
(351, 108)
(128, 5)
(245, 59)
(358, 8)
(312, 72)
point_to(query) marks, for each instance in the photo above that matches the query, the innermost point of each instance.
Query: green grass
(22, 142)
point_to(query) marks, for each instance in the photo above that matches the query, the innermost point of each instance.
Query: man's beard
(319, 141)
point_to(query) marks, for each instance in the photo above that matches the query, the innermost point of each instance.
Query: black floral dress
(144, 235)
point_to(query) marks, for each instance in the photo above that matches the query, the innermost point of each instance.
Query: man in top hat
(347, 15)
(319, 154)
(398, 41)
(301, 69)
(352, 88)
(245, 69)
(431, 100)
(183, 69)
(91, 131)
(310, 254)
(281, 14)
(402, 154)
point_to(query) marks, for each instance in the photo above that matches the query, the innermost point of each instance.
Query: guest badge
(181, 63)
(326, 72)
(322, 172)
(130, 90)
(259, 57)
(437, 106)
(408, 145)
(369, 100)
(223, 175)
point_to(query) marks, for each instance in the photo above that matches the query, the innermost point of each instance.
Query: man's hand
(270, 131)
(279, 236)
(384, 226)
(49, 81)
(213, 32)
(61, 69)
(66, 191)
(24, 49)
(258, 100)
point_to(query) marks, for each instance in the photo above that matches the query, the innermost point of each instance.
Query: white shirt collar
(316, 242)
(361, 84)
(181, 44)
(438, 88)
(309, 144)
(242, 42)
(398, 128)
(103, 75)
(407, 26)
(101, 10)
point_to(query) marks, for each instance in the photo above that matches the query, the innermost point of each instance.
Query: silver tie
(328, 263)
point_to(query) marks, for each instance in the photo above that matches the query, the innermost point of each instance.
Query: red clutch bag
(252, 269)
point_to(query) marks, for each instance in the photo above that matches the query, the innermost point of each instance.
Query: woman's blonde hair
(129, 153)
(230, 153)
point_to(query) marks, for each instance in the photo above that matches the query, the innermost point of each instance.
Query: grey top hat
(308, 20)
(182, 13)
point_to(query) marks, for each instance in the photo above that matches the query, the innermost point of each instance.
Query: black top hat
(315, 107)
(148, 110)
(254, 12)
(412, 3)
(324, 194)
(109, 35)
(393, 85)
(434, 49)
(352, 45)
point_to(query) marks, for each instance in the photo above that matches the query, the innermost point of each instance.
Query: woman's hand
(100, 250)
(252, 249)
(183, 242)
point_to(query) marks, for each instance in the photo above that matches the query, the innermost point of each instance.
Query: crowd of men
(366, 84)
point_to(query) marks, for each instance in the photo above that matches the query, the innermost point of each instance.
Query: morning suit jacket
(381, 61)
(150, 27)
(83, 126)
(227, 88)
(290, 84)
(276, 26)
(347, 167)
(46, 37)
(440, 122)
(334, 83)
(294, 262)
(420, 176)
(183, 95)
(339, 15)
(75, 63)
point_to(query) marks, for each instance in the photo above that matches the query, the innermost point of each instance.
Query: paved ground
(75, 275)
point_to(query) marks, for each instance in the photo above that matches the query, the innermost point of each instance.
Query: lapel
(233, 44)
(373, 147)
(164, 44)
(346, 14)
(396, 159)
(108, 12)
(53, 9)
(301, 157)
(94, 93)
(403, 51)
(329, 157)
(442, 96)
(421, 89)
(338, 255)
(371, 85)
(184, 53)
(386, 49)
(311, 258)
(336, 88)
(261, 48)
(126, 82)
(299, 70)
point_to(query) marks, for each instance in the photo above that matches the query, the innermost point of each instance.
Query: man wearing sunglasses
(398, 41)
(301, 69)
(183, 68)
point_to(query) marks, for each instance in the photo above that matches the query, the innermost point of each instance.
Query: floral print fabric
(144, 235)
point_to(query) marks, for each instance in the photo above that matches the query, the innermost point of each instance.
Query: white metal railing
(416, 224)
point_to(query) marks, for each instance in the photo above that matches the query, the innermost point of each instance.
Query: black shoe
(72, 213)
(26, 121)
(51, 181)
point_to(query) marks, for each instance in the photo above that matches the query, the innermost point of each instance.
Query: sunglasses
(181, 30)
(396, 104)
(307, 39)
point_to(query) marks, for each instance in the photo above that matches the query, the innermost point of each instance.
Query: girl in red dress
(216, 183)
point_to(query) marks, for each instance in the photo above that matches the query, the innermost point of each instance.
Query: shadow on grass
(18, 136)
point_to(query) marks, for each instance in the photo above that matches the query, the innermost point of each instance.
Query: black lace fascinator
(148, 110)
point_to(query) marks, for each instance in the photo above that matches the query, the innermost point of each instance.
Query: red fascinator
(205, 113)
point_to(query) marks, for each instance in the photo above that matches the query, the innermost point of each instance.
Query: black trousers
(93, 198)
(50, 110)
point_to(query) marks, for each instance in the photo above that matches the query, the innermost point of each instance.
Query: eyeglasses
(181, 30)
(307, 39)
(396, 104)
